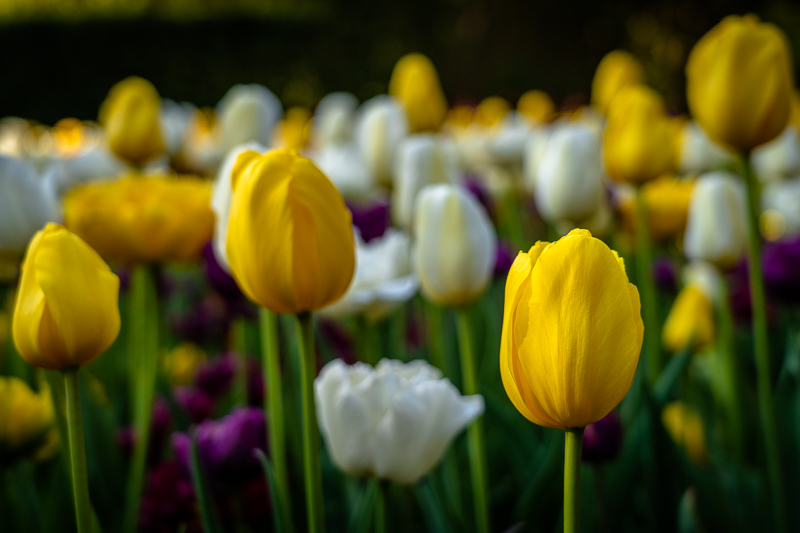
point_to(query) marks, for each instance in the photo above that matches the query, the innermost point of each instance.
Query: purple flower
(372, 220)
(503, 259)
(160, 427)
(196, 403)
(215, 376)
(474, 186)
(218, 277)
(168, 502)
(602, 441)
(226, 448)
(664, 275)
(781, 262)
(207, 320)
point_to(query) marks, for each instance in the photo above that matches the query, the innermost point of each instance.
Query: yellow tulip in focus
(639, 138)
(686, 428)
(290, 241)
(415, 83)
(139, 219)
(130, 117)
(181, 363)
(739, 82)
(25, 417)
(572, 332)
(294, 130)
(617, 70)
(536, 106)
(690, 321)
(667, 199)
(66, 312)
(491, 111)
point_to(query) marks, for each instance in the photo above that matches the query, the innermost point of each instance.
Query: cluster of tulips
(355, 270)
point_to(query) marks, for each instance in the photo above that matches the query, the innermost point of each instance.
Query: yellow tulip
(690, 321)
(639, 138)
(140, 219)
(459, 118)
(180, 363)
(572, 332)
(294, 130)
(739, 82)
(617, 70)
(686, 428)
(415, 83)
(290, 241)
(25, 416)
(536, 106)
(130, 117)
(667, 199)
(491, 111)
(794, 114)
(66, 312)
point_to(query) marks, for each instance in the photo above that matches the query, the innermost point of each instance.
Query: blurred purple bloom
(216, 376)
(196, 403)
(475, 187)
(739, 292)
(160, 428)
(372, 220)
(602, 441)
(205, 321)
(503, 259)
(781, 262)
(219, 278)
(664, 275)
(338, 339)
(168, 501)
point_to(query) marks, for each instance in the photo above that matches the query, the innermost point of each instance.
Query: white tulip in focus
(778, 159)
(247, 113)
(569, 182)
(383, 281)
(716, 225)
(221, 199)
(174, 119)
(343, 165)
(381, 125)
(698, 153)
(394, 421)
(333, 119)
(27, 203)
(421, 160)
(455, 245)
(780, 201)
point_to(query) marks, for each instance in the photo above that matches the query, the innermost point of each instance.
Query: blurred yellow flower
(460, 117)
(794, 114)
(536, 106)
(686, 428)
(617, 70)
(130, 117)
(294, 130)
(667, 200)
(139, 219)
(25, 417)
(181, 363)
(739, 82)
(491, 111)
(415, 83)
(572, 332)
(690, 321)
(290, 241)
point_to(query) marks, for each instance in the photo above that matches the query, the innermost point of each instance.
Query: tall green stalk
(380, 507)
(475, 438)
(572, 479)
(760, 335)
(647, 288)
(311, 459)
(369, 342)
(435, 337)
(77, 452)
(733, 404)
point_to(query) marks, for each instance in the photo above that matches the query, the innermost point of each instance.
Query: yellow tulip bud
(536, 106)
(130, 117)
(140, 219)
(667, 201)
(25, 417)
(459, 118)
(290, 241)
(686, 428)
(294, 130)
(617, 70)
(181, 363)
(491, 111)
(690, 321)
(739, 82)
(415, 83)
(66, 312)
(572, 332)
(639, 139)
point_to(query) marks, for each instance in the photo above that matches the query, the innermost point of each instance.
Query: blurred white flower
(380, 126)
(394, 422)
(698, 153)
(506, 144)
(535, 148)
(343, 165)
(383, 281)
(174, 119)
(97, 163)
(778, 159)
(333, 119)
(706, 277)
(247, 113)
(780, 202)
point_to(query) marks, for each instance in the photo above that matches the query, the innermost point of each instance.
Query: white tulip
(27, 203)
(706, 277)
(381, 125)
(384, 278)
(343, 165)
(394, 422)
(698, 153)
(506, 145)
(569, 181)
(333, 119)
(421, 160)
(247, 113)
(97, 163)
(716, 225)
(174, 119)
(781, 200)
(779, 158)
(221, 199)
(455, 245)
(535, 148)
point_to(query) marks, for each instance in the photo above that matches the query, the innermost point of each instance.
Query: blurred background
(60, 57)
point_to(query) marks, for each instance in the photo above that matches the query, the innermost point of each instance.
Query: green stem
(435, 337)
(572, 479)
(311, 459)
(475, 439)
(77, 452)
(731, 369)
(273, 401)
(369, 343)
(766, 408)
(647, 288)
(380, 507)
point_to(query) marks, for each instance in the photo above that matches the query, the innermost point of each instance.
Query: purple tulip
(168, 501)
(602, 441)
(781, 262)
(196, 403)
(216, 376)
(664, 275)
(503, 259)
(372, 220)
(219, 278)
(160, 427)
(476, 188)
(206, 321)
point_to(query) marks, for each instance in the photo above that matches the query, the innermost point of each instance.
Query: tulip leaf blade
(364, 509)
(281, 512)
(211, 523)
(431, 506)
(669, 376)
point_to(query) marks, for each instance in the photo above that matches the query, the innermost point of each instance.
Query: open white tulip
(778, 159)
(343, 165)
(421, 160)
(698, 153)
(383, 281)
(455, 245)
(333, 119)
(381, 125)
(781, 199)
(247, 113)
(394, 422)
(716, 225)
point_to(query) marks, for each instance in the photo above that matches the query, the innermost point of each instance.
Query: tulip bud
(491, 112)
(26, 204)
(617, 70)
(779, 158)
(686, 428)
(333, 119)
(421, 160)
(667, 202)
(247, 113)
(130, 117)
(66, 312)
(294, 130)
(569, 182)
(415, 83)
(380, 127)
(638, 137)
(690, 321)
(697, 153)
(455, 245)
(572, 332)
(302, 260)
(715, 229)
(536, 106)
(739, 82)
(25, 418)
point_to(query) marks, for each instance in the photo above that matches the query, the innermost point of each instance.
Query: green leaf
(208, 513)
(280, 512)
(669, 376)
(364, 509)
(431, 506)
